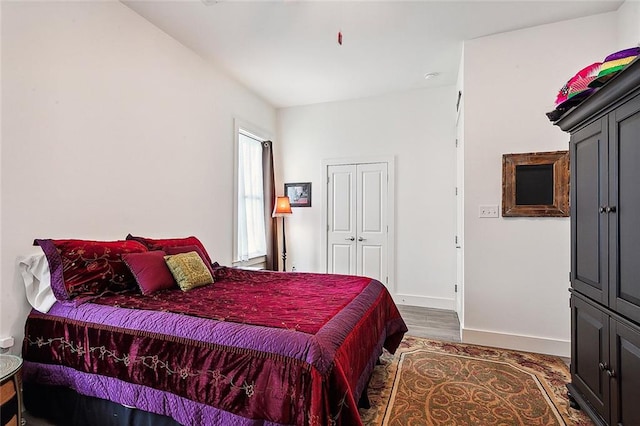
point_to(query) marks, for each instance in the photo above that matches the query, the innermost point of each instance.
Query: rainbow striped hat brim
(614, 63)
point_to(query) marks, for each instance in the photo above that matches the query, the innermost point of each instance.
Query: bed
(253, 348)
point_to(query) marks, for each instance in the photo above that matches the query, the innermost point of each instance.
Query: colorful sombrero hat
(614, 63)
(575, 91)
(577, 88)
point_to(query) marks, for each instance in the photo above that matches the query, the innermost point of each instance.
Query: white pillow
(34, 270)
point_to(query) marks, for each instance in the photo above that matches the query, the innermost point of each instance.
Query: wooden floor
(435, 324)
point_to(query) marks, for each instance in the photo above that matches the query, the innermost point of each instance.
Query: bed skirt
(63, 406)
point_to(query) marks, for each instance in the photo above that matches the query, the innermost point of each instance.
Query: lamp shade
(282, 207)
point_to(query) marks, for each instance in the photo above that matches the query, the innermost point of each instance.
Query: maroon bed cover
(254, 348)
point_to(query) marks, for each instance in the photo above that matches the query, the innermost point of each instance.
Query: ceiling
(288, 53)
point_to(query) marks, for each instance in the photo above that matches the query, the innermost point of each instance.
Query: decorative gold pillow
(189, 270)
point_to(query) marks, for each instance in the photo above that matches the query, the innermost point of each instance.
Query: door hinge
(456, 190)
(328, 180)
(456, 142)
(569, 276)
(386, 280)
(456, 239)
(455, 288)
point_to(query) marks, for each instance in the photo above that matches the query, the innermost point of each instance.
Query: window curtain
(251, 232)
(269, 191)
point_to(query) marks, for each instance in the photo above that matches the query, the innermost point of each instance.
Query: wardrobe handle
(602, 209)
(611, 209)
(611, 373)
(350, 239)
(361, 239)
(603, 366)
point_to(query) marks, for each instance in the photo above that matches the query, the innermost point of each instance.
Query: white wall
(418, 128)
(517, 269)
(629, 24)
(109, 127)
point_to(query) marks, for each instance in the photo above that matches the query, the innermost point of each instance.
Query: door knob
(361, 239)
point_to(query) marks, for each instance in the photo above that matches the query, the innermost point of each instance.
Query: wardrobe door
(625, 374)
(590, 354)
(589, 218)
(624, 207)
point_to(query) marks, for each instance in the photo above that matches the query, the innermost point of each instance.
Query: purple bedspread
(204, 371)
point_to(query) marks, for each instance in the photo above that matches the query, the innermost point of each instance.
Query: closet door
(357, 231)
(341, 220)
(371, 208)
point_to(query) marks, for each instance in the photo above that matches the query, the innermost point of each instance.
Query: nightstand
(10, 390)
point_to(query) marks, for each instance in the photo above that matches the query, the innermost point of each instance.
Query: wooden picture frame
(299, 194)
(535, 184)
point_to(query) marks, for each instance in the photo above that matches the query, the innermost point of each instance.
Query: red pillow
(82, 270)
(187, 249)
(150, 271)
(165, 243)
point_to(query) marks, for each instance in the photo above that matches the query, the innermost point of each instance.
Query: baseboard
(425, 302)
(517, 342)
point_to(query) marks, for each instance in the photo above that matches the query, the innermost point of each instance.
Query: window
(250, 237)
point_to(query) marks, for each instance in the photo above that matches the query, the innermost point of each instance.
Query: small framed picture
(299, 194)
(535, 184)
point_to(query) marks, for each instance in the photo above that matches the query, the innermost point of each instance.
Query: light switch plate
(488, 210)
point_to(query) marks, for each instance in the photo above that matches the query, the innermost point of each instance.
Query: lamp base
(284, 248)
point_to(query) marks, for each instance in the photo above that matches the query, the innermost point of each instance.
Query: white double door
(357, 231)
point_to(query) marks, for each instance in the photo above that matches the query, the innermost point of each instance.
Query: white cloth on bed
(36, 276)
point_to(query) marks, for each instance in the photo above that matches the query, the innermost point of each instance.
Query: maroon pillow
(187, 249)
(165, 243)
(150, 271)
(82, 270)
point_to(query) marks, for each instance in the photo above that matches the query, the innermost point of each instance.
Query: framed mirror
(535, 184)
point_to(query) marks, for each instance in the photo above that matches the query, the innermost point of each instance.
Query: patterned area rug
(430, 382)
